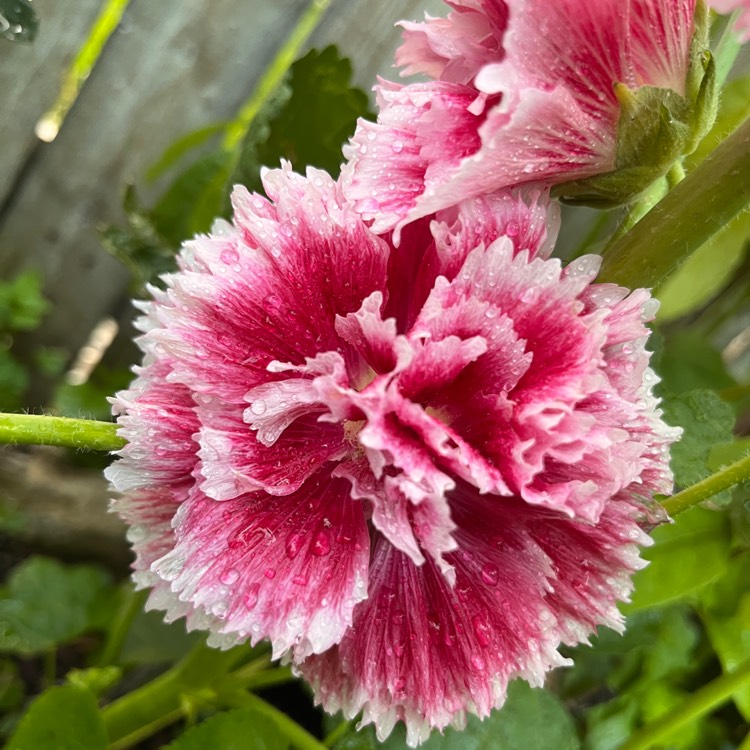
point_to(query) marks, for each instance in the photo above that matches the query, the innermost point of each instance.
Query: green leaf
(139, 246)
(13, 381)
(183, 146)
(46, 603)
(688, 362)
(22, 305)
(152, 641)
(530, 718)
(686, 556)
(241, 729)
(726, 615)
(20, 21)
(308, 120)
(96, 680)
(706, 421)
(194, 199)
(62, 718)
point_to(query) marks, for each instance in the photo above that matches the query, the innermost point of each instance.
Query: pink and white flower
(522, 91)
(416, 471)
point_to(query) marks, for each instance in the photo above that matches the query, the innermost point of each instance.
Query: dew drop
(512, 229)
(321, 546)
(229, 256)
(397, 147)
(258, 407)
(482, 631)
(270, 573)
(490, 574)
(293, 545)
(229, 576)
(478, 663)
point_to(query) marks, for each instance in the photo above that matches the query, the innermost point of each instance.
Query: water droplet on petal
(251, 598)
(321, 546)
(512, 229)
(229, 576)
(490, 574)
(397, 147)
(293, 545)
(270, 573)
(258, 407)
(482, 631)
(229, 256)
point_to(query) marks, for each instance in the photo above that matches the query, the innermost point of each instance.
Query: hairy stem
(708, 487)
(34, 429)
(698, 704)
(691, 213)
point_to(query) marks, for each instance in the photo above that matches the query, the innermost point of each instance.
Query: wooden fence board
(173, 66)
(30, 77)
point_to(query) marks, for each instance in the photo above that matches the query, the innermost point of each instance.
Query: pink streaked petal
(527, 217)
(148, 514)
(158, 420)
(451, 451)
(534, 135)
(424, 130)
(287, 568)
(274, 406)
(455, 48)
(437, 363)
(427, 654)
(271, 289)
(373, 337)
(234, 461)
(391, 511)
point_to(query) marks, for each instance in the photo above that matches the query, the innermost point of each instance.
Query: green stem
(34, 429)
(675, 175)
(636, 211)
(685, 218)
(299, 737)
(132, 603)
(161, 702)
(708, 487)
(274, 73)
(699, 703)
(264, 679)
(148, 730)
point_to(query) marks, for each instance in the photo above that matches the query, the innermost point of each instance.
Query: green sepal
(655, 129)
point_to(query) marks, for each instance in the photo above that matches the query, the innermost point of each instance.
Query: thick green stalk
(698, 704)
(685, 218)
(708, 487)
(34, 429)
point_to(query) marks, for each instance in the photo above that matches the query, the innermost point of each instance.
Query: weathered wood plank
(30, 77)
(365, 31)
(171, 67)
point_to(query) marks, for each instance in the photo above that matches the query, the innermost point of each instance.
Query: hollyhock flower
(523, 91)
(416, 471)
(742, 27)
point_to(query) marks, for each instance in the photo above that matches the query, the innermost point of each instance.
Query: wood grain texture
(30, 77)
(171, 67)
